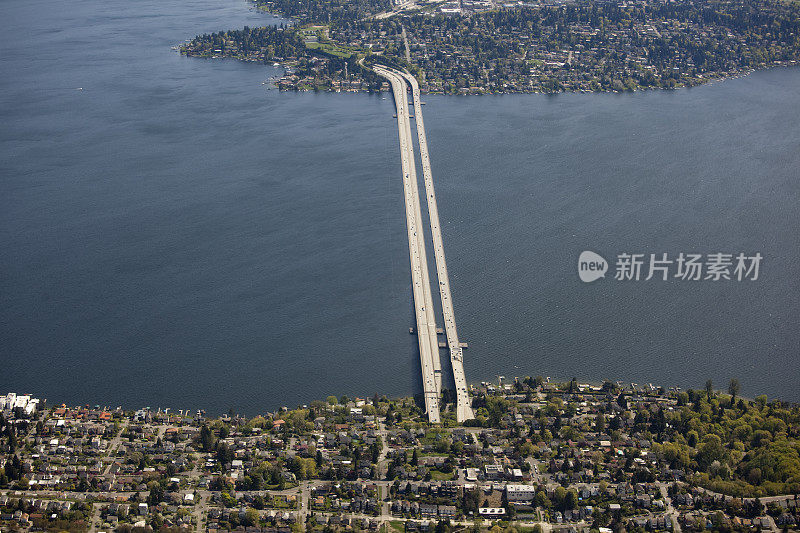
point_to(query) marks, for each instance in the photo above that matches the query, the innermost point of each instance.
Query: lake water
(175, 234)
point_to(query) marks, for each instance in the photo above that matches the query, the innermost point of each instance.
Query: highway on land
(423, 301)
(463, 404)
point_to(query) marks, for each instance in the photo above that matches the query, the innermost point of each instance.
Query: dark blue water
(176, 234)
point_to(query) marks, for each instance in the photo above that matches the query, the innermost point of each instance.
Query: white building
(520, 493)
(12, 401)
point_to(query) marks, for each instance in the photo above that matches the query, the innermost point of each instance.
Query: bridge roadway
(423, 301)
(419, 233)
(398, 79)
(463, 404)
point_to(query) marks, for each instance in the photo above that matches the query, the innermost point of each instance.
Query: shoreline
(549, 59)
(275, 82)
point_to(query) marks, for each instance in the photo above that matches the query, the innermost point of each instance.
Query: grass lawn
(331, 49)
(440, 476)
(396, 525)
(433, 436)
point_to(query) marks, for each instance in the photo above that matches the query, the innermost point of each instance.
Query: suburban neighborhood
(539, 456)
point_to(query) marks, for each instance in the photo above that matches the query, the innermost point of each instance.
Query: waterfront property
(536, 455)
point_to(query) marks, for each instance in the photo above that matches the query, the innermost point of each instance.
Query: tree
(621, 401)
(600, 423)
(219, 483)
(156, 493)
(156, 521)
(757, 506)
(376, 452)
(224, 454)
(302, 468)
(251, 517)
(228, 500)
(709, 389)
(13, 468)
(683, 399)
(761, 401)
(259, 502)
(571, 499)
(541, 500)
(733, 389)
(443, 526)
(471, 501)
(710, 450)
(207, 439)
(559, 496)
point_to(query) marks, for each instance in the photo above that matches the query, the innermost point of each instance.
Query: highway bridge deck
(426, 322)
